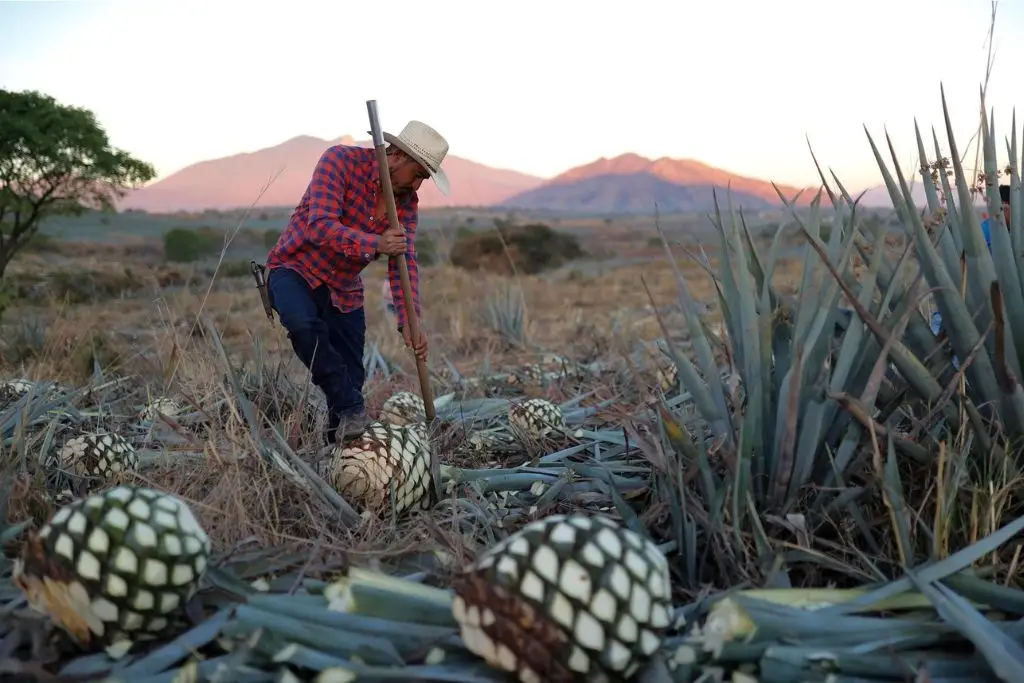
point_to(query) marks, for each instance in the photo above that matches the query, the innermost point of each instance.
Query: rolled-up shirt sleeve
(326, 192)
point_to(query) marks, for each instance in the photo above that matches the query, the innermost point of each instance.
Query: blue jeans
(936, 326)
(330, 343)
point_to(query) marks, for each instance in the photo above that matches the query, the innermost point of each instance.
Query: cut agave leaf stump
(566, 598)
(113, 567)
(365, 470)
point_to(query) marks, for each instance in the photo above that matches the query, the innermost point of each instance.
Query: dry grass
(158, 341)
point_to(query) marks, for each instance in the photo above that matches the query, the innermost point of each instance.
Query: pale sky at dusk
(533, 86)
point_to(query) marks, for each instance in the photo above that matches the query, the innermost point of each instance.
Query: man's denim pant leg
(330, 343)
(936, 326)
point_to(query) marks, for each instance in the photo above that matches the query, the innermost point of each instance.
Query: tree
(531, 249)
(55, 159)
(270, 237)
(182, 245)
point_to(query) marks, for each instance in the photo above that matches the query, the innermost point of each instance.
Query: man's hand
(392, 242)
(420, 347)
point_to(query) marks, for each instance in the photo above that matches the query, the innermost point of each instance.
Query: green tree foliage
(426, 251)
(531, 248)
(55, 159)
(182, 245)
(270, 237)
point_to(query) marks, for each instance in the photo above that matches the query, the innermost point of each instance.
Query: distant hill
(631, 183)
(628, 194)
(878, 196)
(235, 181)
(626, 184)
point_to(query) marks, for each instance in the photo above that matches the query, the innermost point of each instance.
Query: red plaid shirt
(333, 235)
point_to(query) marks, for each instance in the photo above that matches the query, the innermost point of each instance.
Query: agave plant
(505, 313)
(834, 414)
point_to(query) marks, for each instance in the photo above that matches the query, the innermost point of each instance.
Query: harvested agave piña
(551, 368)
(568, 598)
(165, 405)
(403, 408)
(100, 455)
(668, 377)
(13, 389)
(535, 417)
(494, 441)
(365, 469)
(112, 568)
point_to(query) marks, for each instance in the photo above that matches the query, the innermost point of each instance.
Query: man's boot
(350, 426)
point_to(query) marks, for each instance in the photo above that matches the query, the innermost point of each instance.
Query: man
(986, 230)
(387, 298)
(339, 227)
(1004, 196)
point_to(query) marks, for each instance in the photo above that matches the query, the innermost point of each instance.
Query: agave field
(795, 496)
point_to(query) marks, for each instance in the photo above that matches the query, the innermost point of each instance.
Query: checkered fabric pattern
(333, 234)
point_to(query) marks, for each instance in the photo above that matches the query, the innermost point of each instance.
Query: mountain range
(236, 181)
(626, 184)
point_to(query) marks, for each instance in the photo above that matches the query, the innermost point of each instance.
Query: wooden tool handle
(413, 320)
(403, 267)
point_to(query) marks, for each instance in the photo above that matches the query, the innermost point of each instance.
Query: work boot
(350, 426)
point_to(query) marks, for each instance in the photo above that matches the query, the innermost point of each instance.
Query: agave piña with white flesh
(403, 408)
(165, 405)
(366, 469)
(535, 417)
(101, 455)
(667, 376)
(112, 568)
(566, 598)
(13, 389)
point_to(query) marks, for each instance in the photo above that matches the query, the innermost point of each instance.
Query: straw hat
(427, 147)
